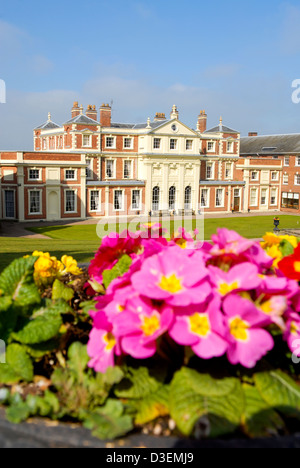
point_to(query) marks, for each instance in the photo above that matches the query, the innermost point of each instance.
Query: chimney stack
(105, 115)
(252, 134)
(159, 116)
(202, 121)
(75, 110)
(174, 113)
(91, 112)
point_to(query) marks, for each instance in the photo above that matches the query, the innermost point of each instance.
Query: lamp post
(276, 224)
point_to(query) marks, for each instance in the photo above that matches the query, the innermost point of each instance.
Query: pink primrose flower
(241, 277)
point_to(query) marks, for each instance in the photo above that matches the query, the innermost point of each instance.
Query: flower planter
(47, 434)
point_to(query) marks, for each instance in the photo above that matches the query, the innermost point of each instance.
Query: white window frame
(75, 201)
(44, 143)
(297, 161)
(212, 170)
(223, 198)
(231, 172)
(252, 189)
(188, 140)
(286, 160)
(295, 179)
(90, 169)
(266, 196)
(285, 179)
(75, 174)
(213, 149)
(276, 176)
(90, 201)
(113, 138)
(276, 196)
(140, 199)
(230, 147)
(156, 139)
(208, 198)
(89, 136)
(114, 169)
(34, 179)
(131, 143)
(175, 140)
(40, 201)
(123, 193)
(131, 168)
(257, 176)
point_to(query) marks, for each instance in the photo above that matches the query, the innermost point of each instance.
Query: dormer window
(211, 146)
(87, 140)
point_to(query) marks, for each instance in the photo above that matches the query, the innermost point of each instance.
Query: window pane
(34, 202)
(204, 198)
(127, 169)
(172, 196)
(136, 198)
(109, 168)
(155, 199)
(118, 200)
(95, 200)
(70, 201)
(188, 198)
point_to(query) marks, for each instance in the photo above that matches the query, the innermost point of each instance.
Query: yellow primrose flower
(275, 253)
(291, 239)
(270, 239)
(70, 265)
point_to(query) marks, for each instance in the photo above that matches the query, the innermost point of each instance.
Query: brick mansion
(92, 167)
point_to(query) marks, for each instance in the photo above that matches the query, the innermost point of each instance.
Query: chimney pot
(105, 115)
(252, 134)
(202, 121)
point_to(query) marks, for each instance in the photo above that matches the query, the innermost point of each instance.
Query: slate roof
(49, 125)
(271, 144)
(82, 119)
(138, 126)
(221, 129)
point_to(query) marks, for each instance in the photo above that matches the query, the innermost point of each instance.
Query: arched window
(155, 198)
(172, 197)
(188, 198)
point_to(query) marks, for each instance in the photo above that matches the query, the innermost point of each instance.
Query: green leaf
(87, 306)
(37, 351)
(17, 281)
(43, 325)
(279, 391)
(18, 413)
(286, 248)
(5, 303)
(8, 320)
(109, 422)
(7, 375)
(78, 358)
(117, 271)
(259, 419)
(19, 361)
(137, 384)
(153, 406)
(194, 396)
(60, 291)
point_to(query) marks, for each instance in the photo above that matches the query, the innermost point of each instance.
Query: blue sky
(235, 58)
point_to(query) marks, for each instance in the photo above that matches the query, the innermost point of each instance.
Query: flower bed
(166, 337)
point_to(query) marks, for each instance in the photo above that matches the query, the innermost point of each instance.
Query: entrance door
(53, 211)
(236, 200)
(9, 204)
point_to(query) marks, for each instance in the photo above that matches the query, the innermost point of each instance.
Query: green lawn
(250, 227)
(11, 248)
(81, 241)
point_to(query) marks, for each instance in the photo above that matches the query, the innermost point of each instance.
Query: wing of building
(92, 167)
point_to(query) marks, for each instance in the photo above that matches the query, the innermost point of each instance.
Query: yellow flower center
(171, 284)
(182, 243)
(225, 288)
(294, 328)
(110, 340)
(266, 307)
(238, 329)
(297, 267)
(199, 324)
(150, 325)
(120, 308)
